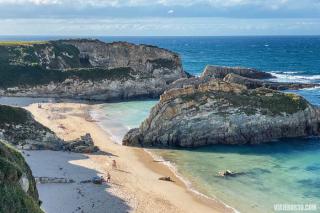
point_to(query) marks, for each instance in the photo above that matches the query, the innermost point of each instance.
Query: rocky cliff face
(87, 69)
(218, 112)
(19, 128)
(18, 192)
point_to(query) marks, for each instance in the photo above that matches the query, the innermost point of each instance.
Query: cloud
(159, 27)
(160, 8)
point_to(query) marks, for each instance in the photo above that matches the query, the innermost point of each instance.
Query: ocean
(286, 172)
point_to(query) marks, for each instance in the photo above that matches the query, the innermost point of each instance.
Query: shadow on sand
(73, 197)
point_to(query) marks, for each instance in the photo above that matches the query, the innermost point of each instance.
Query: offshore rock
(218, 112)
(219, 72)
(255, 83)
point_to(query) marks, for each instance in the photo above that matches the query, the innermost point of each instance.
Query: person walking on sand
(114, 164)
(108, 177)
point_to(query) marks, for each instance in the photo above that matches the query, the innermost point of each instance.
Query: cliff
(19, 128)
(86, 69)
(18, 192)
(218, 112)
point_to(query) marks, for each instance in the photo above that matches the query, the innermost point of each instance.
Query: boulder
(84, 144)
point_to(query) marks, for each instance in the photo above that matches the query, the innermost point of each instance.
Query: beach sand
(134, 184)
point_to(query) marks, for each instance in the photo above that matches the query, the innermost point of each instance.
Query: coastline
(136, 179)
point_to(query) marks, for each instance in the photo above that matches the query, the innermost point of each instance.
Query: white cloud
(121, 3)
(159, 27)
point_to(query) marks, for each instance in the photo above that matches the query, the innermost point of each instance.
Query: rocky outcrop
(82, 145)
(87, 69)
(18, 192)
(19, 127)
(218, 112)
(256, 83)
(219, 72)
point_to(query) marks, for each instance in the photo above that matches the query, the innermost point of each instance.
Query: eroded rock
(218, 112)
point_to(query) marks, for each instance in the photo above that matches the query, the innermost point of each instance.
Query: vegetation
(265, 101)
(13, 115)
(20, 43)
(12, 197)
(163, 63)
(21, 66)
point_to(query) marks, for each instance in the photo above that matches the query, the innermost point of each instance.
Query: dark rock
(255, 83)
(82, 145)
(219, 72)
(166, 179)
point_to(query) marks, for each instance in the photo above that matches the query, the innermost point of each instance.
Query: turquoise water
(284, 172)
(118, 118)
(275, 173)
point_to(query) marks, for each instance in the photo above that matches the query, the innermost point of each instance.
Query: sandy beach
(134, 185)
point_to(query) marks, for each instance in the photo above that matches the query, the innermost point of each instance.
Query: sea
(274, 175)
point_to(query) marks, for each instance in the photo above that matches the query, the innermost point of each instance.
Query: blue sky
(160, 17)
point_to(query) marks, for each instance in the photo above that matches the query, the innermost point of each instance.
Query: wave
(290, 77)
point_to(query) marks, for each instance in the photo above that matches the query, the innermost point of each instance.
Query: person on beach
(108, 177)
(114, 164)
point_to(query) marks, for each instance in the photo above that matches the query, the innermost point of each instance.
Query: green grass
(21, 43)
(253, 101)
(13, 115)
(12, 198)
(30, 73)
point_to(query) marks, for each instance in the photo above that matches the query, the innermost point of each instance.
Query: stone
(166, 179)
(84, 144)
(24, 183)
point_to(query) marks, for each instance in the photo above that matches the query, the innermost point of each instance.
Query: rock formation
(18, 192)
(250, 78)
(255, 83)
(19, 127)
(218, 112)
(87, 69)
(219, 72)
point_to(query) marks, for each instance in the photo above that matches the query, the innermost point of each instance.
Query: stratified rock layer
(218, 112)
(87, 69)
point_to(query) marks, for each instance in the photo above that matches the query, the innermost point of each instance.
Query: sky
(159, 17)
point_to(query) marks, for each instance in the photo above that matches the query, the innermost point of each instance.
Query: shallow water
(276, 173)
(118, 118)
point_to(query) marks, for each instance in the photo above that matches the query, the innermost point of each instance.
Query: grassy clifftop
(13, 198)
(38, 63)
